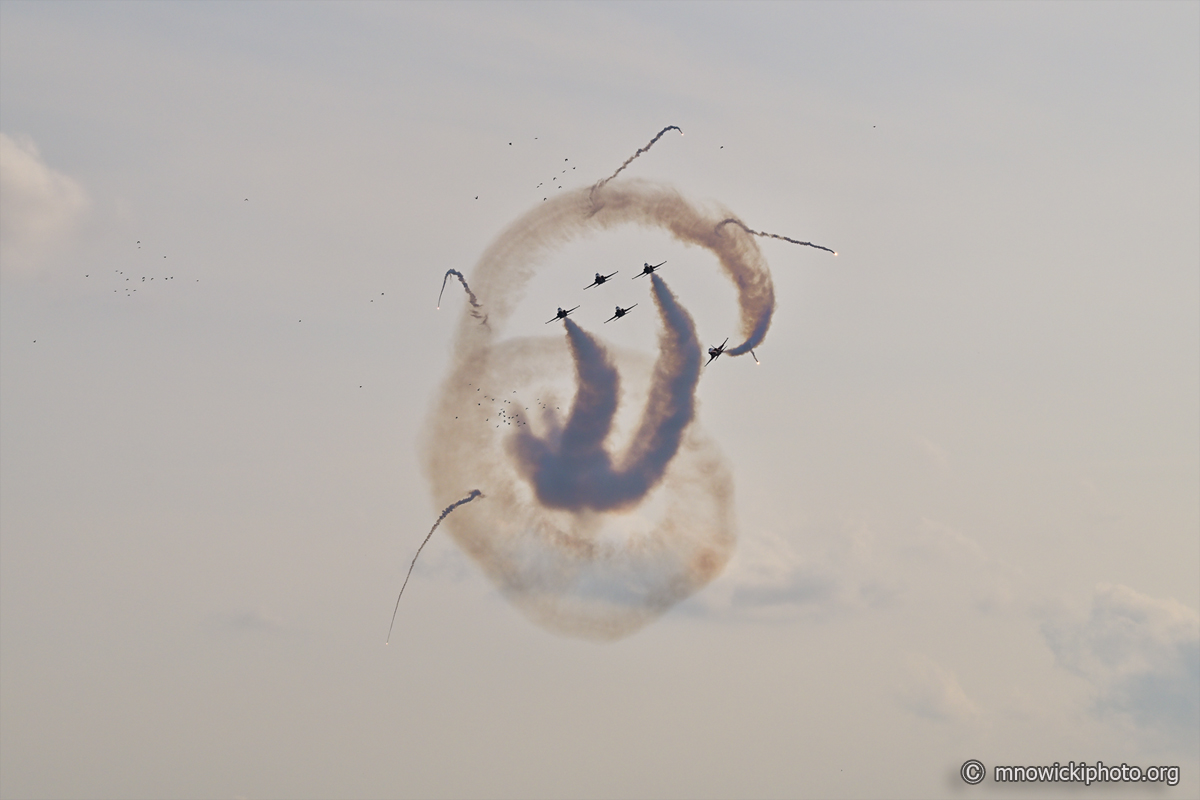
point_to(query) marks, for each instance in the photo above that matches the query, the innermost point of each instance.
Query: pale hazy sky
(967, 472)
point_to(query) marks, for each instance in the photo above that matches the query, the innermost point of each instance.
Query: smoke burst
(445, 512)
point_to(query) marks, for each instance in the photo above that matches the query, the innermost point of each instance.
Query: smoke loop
(584, 542)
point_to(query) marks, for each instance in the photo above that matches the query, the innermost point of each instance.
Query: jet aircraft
(599, 280)
(647, 269)
(713, 352)
(561, 314)
(620, 312)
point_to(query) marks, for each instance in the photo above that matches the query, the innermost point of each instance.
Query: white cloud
(39, 207)
(929, 562)
(767, 579)
(931, 691)
(1141, 654)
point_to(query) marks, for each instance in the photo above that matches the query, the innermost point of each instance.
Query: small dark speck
(476, 197)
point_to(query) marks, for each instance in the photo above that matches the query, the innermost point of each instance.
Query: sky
(963, 483)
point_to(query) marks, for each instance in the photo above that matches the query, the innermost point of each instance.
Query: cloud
(767, 579)
(39, 207)
(1140, 653)
(858, 569)
(931, 691)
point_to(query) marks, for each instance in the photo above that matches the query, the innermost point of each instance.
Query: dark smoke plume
(742, 225)
(446, 511)
(641, 150)
(475, 306)
(573, 470)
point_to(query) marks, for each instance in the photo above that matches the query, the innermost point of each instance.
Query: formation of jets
(647, 268)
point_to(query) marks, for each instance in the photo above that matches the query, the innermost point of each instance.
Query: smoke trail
(602, 519)
(641, 150)
(742, 225)
(576, 472)
(475, 306)
(474, 493)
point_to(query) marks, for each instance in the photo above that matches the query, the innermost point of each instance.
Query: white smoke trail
(640, 150)
(764, 234)
(445, 512)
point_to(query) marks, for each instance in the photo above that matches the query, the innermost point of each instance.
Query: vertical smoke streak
(445, 512)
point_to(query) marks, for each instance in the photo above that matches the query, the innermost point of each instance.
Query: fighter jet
(713, 352)
(561, 314)
(647, 269)
(620, 312)
(599, 280)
